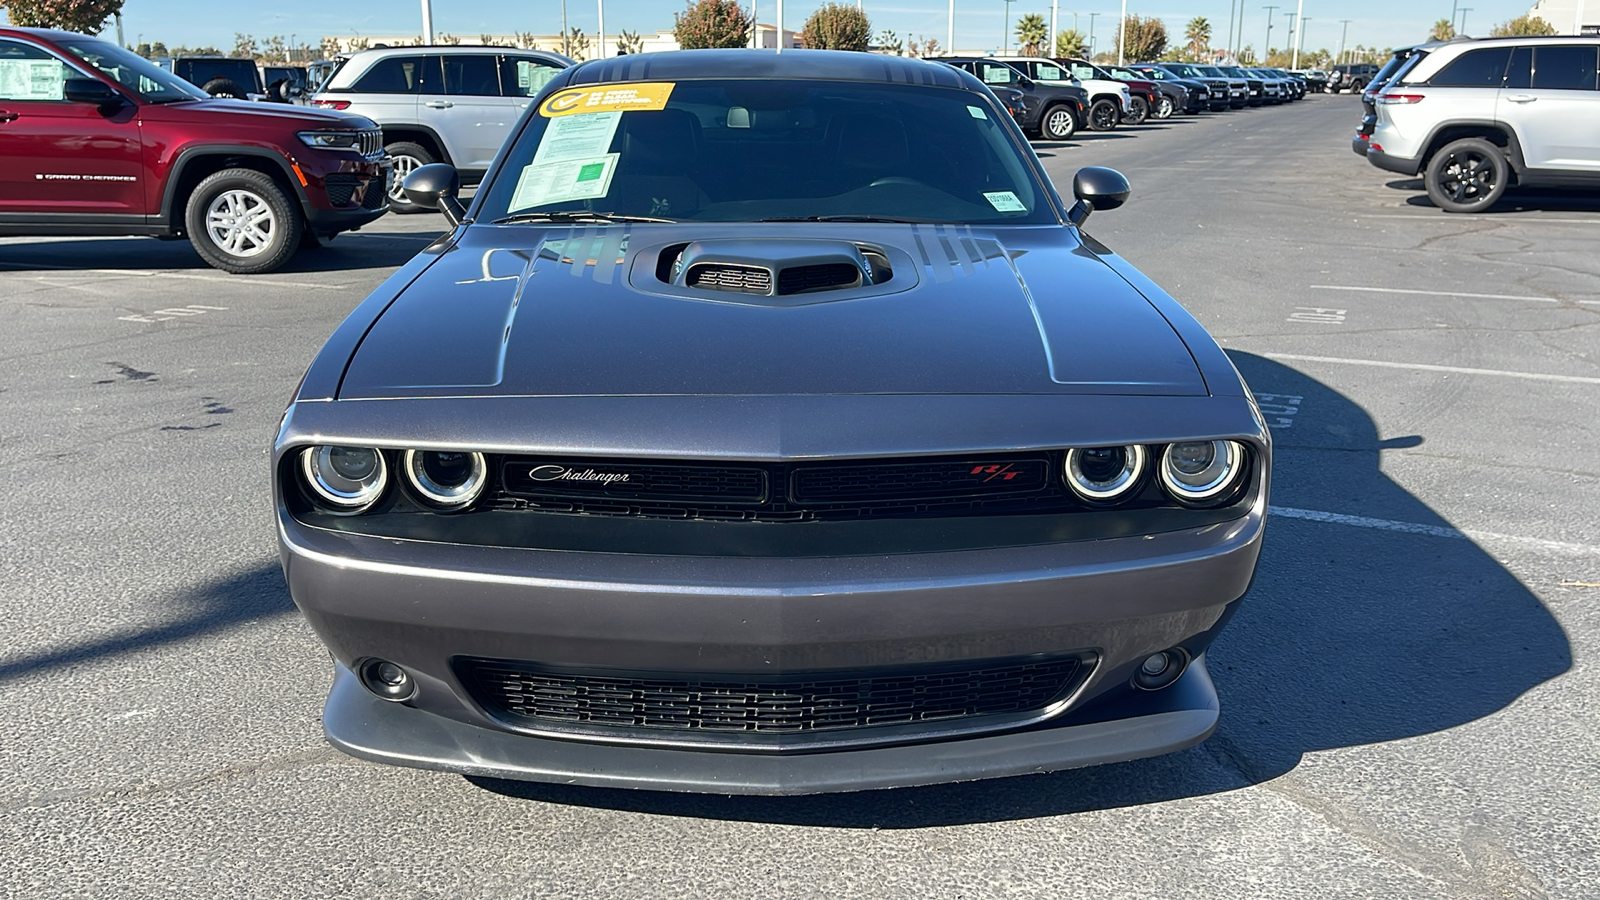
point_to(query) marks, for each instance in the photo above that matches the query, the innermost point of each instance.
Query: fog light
(1161, 669)
(386, 679)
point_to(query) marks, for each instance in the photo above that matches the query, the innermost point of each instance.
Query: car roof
(375, 52)
(832, 65)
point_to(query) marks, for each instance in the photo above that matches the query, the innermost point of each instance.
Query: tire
(1059, 123)
(1138, 111)
(1357, 87)
(224, 87)
(407, 157)
(241, 221)
(1468, 175)
(1104, 115)
(1165, 107)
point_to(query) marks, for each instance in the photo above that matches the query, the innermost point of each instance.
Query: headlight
(1196, 471)
(331, 140)
(1101, 474)
(349, 479)
(447, 478)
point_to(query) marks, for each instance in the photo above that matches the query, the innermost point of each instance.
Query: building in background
(1569, 16)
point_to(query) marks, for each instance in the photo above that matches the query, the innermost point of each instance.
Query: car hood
(522, 310)
(248, 112)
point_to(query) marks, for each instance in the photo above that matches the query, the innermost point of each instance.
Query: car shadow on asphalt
(1514, 199)
(1350, 636)
(250, 596)
(366, 249)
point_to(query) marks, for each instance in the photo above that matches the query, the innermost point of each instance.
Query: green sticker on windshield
(591, 172)
(1004, 201)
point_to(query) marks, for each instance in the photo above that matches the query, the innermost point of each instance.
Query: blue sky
(979, 23)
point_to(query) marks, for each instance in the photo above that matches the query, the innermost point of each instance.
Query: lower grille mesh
(806, 703)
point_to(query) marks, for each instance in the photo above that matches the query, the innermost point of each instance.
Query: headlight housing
(449, 479)
(347, 479)
(1104, 474)
(331, 140)
(1196, 472)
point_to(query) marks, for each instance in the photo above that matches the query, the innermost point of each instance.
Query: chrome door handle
(1522, 98)
(438, 104)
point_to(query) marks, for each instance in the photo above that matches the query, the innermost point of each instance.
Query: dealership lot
(1407, 694)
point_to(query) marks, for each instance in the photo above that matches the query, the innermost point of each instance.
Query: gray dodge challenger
(768, 424)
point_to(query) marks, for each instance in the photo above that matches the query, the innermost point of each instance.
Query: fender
(432, 133)
(188, 154)
(1513, 144)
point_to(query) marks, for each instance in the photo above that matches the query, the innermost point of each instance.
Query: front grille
(341, 188)
(740, 279)
(800, 279)
(376, 196)
(532, 695)
(372, 143)
(980, 484)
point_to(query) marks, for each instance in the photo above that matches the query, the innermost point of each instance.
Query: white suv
(1474, 117)
(1109, 100)
(440, 104)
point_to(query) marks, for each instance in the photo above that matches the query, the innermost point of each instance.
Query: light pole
(427, 22)
(1122, 31)
(1266, 49)
(780, 26)
(950, 33)
(1239, 45)
(600, 52)
(1005, 30)
(1300, 41)
(1294, 25)
(1464, 11)
(1091, 35)
(1055, 10)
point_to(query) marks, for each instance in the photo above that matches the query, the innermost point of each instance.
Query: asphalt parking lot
(1408, 694)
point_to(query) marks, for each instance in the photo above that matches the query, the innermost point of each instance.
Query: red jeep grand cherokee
(95, 140)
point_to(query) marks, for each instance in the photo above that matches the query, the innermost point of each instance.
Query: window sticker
(608, 98)
(559, 182)
(577, 137)
(1004, 201)
(32, 79)
(976, 113)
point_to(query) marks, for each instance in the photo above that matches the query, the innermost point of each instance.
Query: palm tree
(1199, 36)
(1031, 33)
(1071, 42)
(1443, 30)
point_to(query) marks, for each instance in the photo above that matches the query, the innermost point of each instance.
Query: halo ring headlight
(348, 479)
(450, 479)
(1104, 474)
(1197, 471)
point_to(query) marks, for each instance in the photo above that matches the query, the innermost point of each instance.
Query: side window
(525, 77)
(1520, 74)
(1570, 68)
(28, 73)
(1082, 73)
(474, 75)
(395, 75)
(1045, 72)
(993, 73)
(1475, 68)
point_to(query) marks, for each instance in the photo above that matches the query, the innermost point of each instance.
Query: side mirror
(1025, 81)
(1097, 187)
(435, 186)
(91, 90)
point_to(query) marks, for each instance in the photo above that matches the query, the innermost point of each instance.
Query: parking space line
(1313, 515)
(1379, 290)
(1425, 367)
(159, 273)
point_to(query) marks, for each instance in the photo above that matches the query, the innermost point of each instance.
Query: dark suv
(98, 141)
(219, 76)
(1351, 77)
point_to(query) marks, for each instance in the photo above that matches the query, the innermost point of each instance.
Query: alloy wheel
(241, 223)
(403, 166)
(1105, 116)
(1467, 176)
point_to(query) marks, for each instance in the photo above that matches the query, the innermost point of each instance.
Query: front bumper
(423, 605)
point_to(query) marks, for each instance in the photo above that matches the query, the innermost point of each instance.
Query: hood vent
(723, 277)
(773, 268)
(800, 279)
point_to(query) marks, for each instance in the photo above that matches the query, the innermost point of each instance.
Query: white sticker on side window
(976, 112)
(558, 182)
(1004, 201)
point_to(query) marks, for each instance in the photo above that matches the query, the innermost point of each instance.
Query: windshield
(134, 72)
(753, 150)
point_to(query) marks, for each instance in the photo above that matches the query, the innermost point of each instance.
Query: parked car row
(1475, 117)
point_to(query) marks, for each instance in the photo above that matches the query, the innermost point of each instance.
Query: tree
(1032, 32)
(577, 44)
(1198, 34)
(84, 16)
(1147, 38)
(930, 47)
(1073, 43)
(1523, 26)
(836, 26)
(629, 42)
(706, 24)
(245, 45)
(274, 49)
(890, 41)
(1443, 30)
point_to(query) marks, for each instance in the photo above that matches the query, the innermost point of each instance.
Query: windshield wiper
(567, 215)
(901, 220)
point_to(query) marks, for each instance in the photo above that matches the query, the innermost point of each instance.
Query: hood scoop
(774, 271)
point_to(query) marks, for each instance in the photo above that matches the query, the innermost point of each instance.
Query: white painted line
(1460, 534)
(155, 273)
(1500, 218)
(1423, 367)
(1378, 290)
(1590, 301)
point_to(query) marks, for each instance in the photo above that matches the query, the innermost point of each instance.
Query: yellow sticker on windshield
(608, 98)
